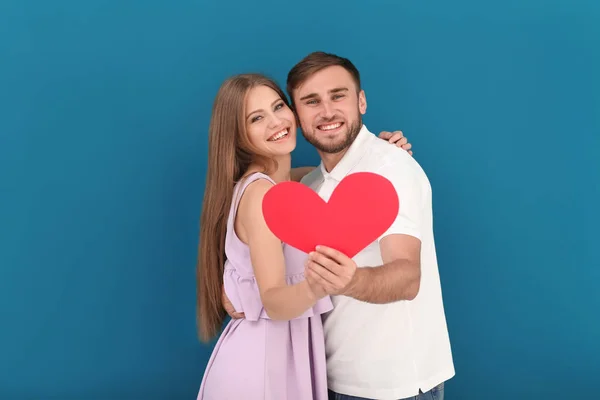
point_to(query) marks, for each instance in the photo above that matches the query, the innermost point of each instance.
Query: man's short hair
(315, 62)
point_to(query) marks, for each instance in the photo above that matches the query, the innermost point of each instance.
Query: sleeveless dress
(257, 358)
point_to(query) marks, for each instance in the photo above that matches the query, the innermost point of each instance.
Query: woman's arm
(280, 300)
(397, 138)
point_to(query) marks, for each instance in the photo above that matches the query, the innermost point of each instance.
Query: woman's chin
(283, 149)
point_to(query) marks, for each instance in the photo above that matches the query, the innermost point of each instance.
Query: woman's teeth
(278, 136)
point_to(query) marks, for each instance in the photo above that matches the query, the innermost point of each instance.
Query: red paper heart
(361, 208)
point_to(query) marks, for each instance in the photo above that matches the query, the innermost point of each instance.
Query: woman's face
(270, 123)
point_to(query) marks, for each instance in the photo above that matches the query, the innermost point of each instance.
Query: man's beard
(333, 148)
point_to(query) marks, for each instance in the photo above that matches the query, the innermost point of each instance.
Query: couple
(318, 326)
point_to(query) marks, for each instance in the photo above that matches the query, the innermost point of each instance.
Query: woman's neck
(282, 173)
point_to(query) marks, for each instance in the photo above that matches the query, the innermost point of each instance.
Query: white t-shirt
(388, 351)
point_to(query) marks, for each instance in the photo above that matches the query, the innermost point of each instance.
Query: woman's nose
(275, 121)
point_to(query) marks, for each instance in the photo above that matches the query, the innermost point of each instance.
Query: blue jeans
(437, 393)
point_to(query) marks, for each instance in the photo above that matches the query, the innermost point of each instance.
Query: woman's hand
(317, 290)
(397, 138)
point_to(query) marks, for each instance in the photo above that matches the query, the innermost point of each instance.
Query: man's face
(330, 109)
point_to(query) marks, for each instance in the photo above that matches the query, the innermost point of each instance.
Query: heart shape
(361, 208)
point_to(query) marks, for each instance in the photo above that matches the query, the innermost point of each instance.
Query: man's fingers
(335, 255)
(234, 314)
(325, 261)
(237, 315)
(323, 275)
(315, 279)
(231, 311)
(229, 308)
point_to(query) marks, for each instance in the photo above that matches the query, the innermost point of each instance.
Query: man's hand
(331, 270)
(229, 307)
(398, 138)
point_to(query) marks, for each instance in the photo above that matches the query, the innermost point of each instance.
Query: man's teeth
(279, 135)
(330, 126)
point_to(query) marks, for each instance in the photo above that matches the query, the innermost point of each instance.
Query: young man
(386, 337)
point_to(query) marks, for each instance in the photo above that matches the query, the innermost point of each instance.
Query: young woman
(277, 351)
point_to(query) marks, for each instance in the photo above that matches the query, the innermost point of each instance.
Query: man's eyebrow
(309, 96)
(337, 90)
(260, 109)
(314, 95)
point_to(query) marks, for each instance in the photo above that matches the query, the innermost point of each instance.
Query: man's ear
(362, 102)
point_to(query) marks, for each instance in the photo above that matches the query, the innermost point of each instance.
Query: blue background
(104, 109)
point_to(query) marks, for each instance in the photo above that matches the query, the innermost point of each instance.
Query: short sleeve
(408, 182)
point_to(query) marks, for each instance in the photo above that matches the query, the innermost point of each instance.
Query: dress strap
(240, 187)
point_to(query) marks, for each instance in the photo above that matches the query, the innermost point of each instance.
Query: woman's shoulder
(254, 187)
(256, 184)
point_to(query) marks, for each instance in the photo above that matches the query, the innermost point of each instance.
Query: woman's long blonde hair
(230, 154)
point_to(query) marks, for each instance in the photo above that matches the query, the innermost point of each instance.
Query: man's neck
(330, 160)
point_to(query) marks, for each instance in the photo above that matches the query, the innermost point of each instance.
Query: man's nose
(327, 112)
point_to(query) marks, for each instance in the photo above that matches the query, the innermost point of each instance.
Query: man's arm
(398, 278)
(296, 174)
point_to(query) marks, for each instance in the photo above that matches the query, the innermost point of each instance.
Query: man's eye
(311, 102)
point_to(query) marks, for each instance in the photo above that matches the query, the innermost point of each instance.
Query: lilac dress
(257, 358)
